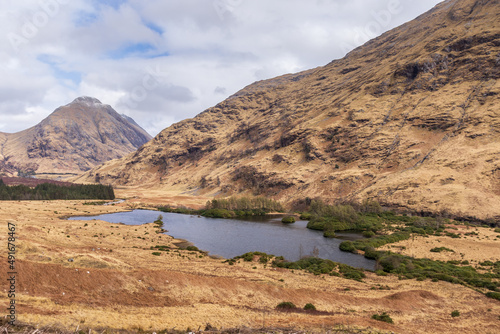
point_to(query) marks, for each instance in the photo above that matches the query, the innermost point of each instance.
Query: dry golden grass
(485, 246)
(115, 282)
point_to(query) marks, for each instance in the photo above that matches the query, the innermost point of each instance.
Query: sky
(162, 61)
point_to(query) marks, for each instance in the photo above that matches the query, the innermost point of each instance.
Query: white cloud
(162, 61)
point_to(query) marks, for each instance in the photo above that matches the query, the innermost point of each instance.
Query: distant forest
(49, 191)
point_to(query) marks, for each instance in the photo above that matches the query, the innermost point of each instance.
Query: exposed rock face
(74, 138)
(411, 118)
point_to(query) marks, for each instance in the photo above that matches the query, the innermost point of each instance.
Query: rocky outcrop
(411, 119)
(74, 138)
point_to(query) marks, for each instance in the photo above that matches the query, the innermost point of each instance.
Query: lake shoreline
(239, 236)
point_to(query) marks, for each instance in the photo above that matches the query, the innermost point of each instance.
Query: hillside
(411, 118)
(74, 138)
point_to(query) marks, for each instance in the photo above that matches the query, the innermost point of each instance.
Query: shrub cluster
(259, 204)
(410, 268)
(287, 306)
(441, 249)
(181, 210)
(383, 317)
(319, 266)
(263, 257)
(352, 246)
(288, 220)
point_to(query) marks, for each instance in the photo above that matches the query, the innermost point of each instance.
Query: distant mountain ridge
(73, 139)
(411, 119)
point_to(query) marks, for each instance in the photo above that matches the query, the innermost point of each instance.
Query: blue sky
(161, 61)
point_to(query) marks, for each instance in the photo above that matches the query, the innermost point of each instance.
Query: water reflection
(232, 237)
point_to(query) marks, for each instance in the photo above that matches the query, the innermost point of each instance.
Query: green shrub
(441, 249)
(452, 235)
(347, 246)
(310, 307)
(219, 213)
(248, 257)
(306, 216)
(317, 225)
(313, 265)
(286, 306)
(383, 317)
(288, 220)
(156, 253)
(368, 234)
(487, 264)
(391, 262)
(159, 221)
(455, 314)
(354, 275)
(371, 253)
(329, 234)
(381, 240)
(246, 204)
(494, 295)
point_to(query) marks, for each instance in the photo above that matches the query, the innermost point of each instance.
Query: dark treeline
(48, 191)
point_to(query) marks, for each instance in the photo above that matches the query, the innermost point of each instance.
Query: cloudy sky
(161, 61)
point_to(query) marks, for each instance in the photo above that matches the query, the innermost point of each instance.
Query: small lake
(232, 237)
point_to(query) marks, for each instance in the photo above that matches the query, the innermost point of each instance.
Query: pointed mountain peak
(87, 100)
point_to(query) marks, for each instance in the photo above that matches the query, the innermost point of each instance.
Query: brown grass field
(114, 281)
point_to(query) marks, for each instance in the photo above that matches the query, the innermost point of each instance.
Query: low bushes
(248, 257)
(288, 220)
(494, 295)
(410, 268)
(260, 204)
(368, 234)
(441, 249)
(306, 216)
(329, 234)
(347, 246)
(319, 266)
(383, 317)
(310, 307)
(219, 213)
(317, 225)
(289, 306)
(286, 306)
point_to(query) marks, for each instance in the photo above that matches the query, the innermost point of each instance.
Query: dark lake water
(232, 237)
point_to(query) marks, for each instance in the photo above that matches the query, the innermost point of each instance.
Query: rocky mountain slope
(74, 138)
(411, 118)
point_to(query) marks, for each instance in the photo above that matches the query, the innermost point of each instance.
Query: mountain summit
(74, 138)
(411, 119)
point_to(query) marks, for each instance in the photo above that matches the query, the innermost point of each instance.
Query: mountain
(74, 138)
(411, 118)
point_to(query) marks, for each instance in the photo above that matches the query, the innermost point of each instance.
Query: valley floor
(93, 274)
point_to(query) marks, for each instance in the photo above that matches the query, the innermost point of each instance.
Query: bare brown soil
(114, 281)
